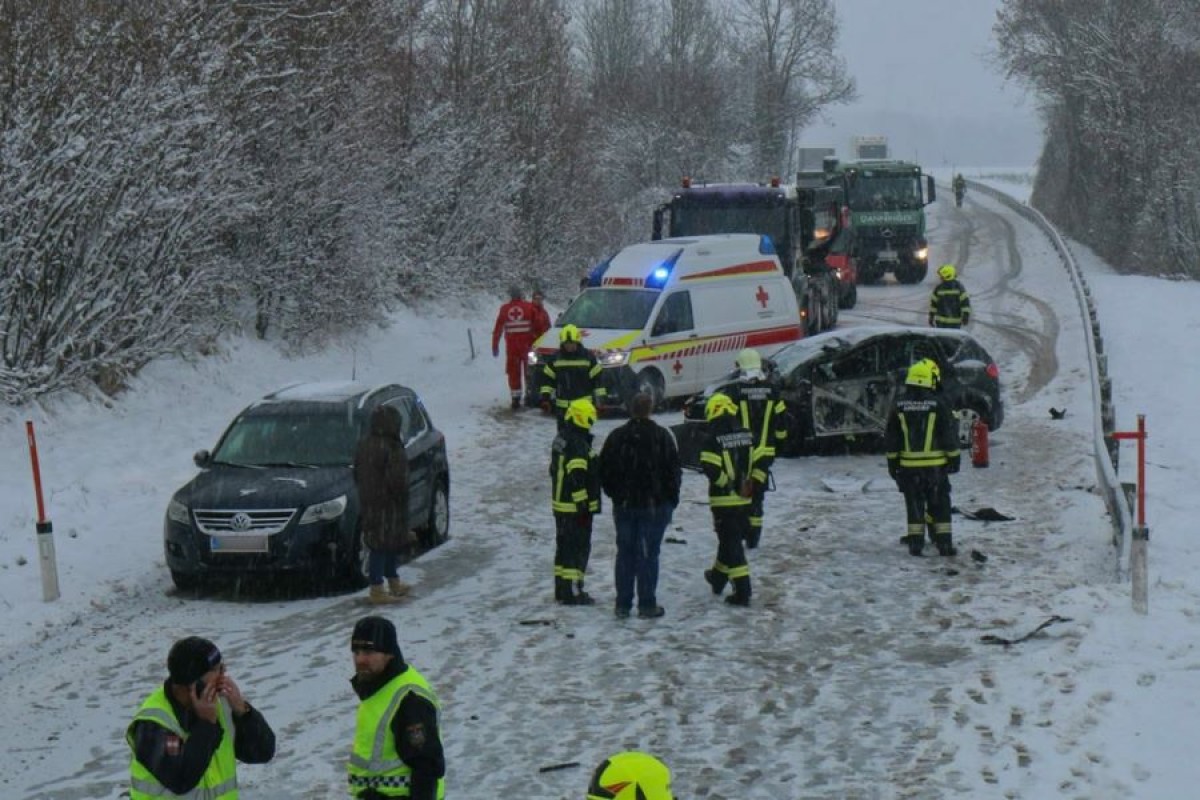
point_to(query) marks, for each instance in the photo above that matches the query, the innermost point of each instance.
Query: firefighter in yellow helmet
(921, 442)
(571, 373)
(949, 305)
(763, 413)
(725, 458)
(575, 498)
(630, 776)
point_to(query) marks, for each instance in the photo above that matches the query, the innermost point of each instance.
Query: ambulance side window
(674, 316)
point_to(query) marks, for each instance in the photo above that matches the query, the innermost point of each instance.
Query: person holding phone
(189, 734)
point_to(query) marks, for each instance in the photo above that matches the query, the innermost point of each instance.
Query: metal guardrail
(1105, 447)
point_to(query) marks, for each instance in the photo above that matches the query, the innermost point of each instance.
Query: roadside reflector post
(1140, 540)
(45, 530)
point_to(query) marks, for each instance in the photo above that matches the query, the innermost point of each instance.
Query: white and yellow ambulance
(668, 317)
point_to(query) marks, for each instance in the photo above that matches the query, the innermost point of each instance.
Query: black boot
(715, 579)
(915, 544)
(516, 403)
(741, 592)
(582, 598)
(945, 544)
(562, 592)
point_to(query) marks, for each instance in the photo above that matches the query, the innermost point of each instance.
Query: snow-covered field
(859, 672)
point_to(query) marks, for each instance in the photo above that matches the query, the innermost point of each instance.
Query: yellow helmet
(925, 373)
(582, 412)
(570, 333)
(717, 405)
(631, 776)
(947, 272)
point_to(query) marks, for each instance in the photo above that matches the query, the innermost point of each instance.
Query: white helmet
(749, 363)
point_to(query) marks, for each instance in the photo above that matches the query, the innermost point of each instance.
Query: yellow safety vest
(219, 781)
(375, 761)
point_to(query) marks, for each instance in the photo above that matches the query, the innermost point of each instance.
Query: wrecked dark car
(839, 386)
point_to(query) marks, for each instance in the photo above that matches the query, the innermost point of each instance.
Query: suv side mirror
(201, 458)
(931, 193)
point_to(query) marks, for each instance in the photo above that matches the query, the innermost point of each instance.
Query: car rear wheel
(967, 417)
(436, 530)
(651, 383)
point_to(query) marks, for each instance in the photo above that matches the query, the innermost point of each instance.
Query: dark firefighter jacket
(574, 473)
(415, 730)
(949, 305)
(725, 459)
(763, 414)
(179, 764)
(571, 376)
(922, 432)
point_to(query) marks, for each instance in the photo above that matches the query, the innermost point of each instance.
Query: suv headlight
(614, 358)
(323, 512)
(178, 512)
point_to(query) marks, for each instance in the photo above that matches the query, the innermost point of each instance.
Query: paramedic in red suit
(515, 321)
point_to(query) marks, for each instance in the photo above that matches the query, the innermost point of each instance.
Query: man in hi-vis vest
(397, 745)
(189, 734)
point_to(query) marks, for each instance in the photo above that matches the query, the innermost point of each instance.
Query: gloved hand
(584, 518)
(952, 464)
(495, 352)
(894, 470)
(752, 539)
(747, 488)
(545, 405)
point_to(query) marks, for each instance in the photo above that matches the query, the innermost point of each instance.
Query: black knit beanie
(378, 634)
(191, 658)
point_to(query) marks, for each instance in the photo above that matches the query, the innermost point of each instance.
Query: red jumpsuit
(516, 322)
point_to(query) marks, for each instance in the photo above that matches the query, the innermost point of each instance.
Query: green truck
(886, 203)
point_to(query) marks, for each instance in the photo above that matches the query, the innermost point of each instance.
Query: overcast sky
(925, 81)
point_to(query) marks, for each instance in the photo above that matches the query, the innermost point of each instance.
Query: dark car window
(675, 315)
(314, 439)
(413, 421)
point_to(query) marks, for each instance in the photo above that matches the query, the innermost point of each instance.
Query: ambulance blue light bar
(661, 273)
(766, 245)
(595, 277)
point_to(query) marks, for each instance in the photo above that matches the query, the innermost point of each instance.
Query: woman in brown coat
(381, 475)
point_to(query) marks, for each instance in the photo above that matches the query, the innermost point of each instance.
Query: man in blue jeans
(640, 472)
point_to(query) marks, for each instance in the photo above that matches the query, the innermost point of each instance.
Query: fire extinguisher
(979, 444)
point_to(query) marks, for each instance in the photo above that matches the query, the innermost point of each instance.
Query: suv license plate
(240, 544)
(888, 255)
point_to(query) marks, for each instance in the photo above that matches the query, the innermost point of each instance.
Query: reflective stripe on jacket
(375, 762)
(574, 474)
(922, 431)
(571, 376)
(219, 781)
(725, 459)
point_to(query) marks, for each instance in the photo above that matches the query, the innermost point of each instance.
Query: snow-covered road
(859, 672)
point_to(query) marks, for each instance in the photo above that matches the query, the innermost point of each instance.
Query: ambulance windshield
(611, 308)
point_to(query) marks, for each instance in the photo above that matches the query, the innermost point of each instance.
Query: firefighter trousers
(926, 501)
(732, 526)
(573, 548)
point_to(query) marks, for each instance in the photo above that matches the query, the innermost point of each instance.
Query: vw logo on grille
(887, 233)
(240, 521)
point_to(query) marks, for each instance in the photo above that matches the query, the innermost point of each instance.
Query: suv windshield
(285, 439)
(616, 309)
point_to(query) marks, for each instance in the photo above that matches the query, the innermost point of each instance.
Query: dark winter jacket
(179, 765)
(381, 475)
(639, 466)
(415, 729)
(574, 473)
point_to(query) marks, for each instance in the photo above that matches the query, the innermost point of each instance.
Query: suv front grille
(264, 522)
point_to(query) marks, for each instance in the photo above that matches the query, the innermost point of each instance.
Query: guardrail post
(1140, 540)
